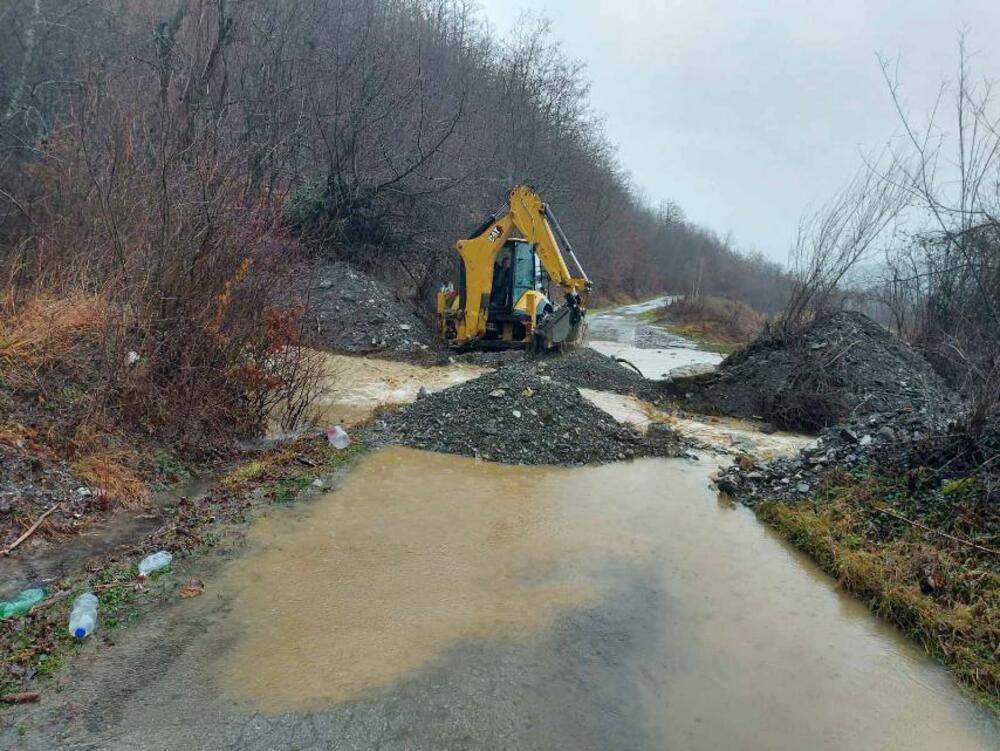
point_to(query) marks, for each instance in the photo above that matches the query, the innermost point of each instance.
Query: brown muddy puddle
(353, 387)
(417, 553)
(723, 434)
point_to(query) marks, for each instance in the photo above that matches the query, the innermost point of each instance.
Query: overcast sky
(747, 113)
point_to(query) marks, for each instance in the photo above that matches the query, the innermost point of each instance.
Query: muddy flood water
(622, 606)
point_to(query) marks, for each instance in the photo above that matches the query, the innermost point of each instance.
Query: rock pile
(517, 416)
(349, 311)
(841, 367)
(878, 439)
(587, 368)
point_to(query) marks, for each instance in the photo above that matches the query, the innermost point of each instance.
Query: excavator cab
(518, 289)
(504, 296)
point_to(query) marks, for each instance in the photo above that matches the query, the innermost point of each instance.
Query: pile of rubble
(349, 311)
(875, 440)
(588, 368)
(518, 416)
(841, 367)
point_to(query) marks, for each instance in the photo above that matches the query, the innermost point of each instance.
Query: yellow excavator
(503, 298)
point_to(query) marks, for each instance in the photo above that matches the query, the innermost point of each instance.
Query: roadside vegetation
(35, 647)
(922, 552)
(718, 324)
(913, 525)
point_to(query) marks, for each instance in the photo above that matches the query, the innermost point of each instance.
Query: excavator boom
(473, 315)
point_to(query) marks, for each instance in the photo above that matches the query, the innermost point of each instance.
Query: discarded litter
(83, 616)
(192, 589)
(337, 437)
(22, 603)
(154, 562)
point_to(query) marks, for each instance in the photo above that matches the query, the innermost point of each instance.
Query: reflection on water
(753, 647)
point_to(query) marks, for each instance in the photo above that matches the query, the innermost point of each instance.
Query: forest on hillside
(137, 135)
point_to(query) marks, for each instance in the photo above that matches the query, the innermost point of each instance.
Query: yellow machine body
(468, 317)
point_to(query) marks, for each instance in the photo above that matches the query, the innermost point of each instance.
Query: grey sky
(747, 113)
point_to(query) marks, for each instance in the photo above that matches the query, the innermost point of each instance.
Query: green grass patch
(243, 475)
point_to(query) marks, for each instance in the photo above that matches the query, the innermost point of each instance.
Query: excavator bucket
(565, 327)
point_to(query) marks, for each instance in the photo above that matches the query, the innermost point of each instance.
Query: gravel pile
(517, 416)
(842, 367)
(897, 440)
(349, 311)
(587, 368)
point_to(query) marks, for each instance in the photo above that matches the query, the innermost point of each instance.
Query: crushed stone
(350, 311)
(841, 367)
(517, 416)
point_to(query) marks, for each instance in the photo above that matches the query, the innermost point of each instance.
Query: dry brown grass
(44, 332)
(109, 468)
(715, 319)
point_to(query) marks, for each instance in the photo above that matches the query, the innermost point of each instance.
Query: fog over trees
(139, 133)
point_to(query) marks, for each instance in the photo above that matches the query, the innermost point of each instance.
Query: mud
(40, 562)
(435, 602)
(353, 387)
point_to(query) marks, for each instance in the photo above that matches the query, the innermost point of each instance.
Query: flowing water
(355, 386)
(617, 332)
(691, 623)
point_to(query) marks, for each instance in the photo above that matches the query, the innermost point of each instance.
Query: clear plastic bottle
(154, 562)
(83, 616)
(338, 437)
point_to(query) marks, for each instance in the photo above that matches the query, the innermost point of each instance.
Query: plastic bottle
(338, 437)
(153, 562)
(22, 603)
(83, 616)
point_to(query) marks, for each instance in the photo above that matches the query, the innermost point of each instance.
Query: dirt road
(437, 602)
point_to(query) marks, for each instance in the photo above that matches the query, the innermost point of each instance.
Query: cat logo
(495, 233)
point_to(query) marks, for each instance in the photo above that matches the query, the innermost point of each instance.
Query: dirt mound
(582, 367)
(516, 416)
(349, 311)
(841, 367)
(587, 368)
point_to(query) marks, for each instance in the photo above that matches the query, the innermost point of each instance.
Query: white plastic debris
(83, 616)
(337, 437)
(154, 562)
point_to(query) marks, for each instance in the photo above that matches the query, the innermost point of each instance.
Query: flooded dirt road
(621, 332)
(437, 602)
